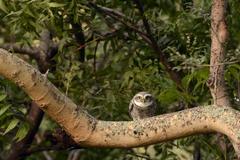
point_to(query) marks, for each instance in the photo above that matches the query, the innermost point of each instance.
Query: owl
(143, 105)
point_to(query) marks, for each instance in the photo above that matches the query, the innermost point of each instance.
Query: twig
(145, 22)
(46, 154)
(121, 19)
(140, 156)
(18, 149)
(44, 148)
(80, 38)
(94, 58)
(213, 65)
(174, 76)
(74, 155)
(32, 52)
(102, 36)
(148, 38)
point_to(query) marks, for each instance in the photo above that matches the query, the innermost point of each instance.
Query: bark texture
(216, 82)
(42, 55)
(219, 36)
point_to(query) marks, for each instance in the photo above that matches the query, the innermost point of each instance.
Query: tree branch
(88, 131)
(119, 17)
(145, 22)
(44, 148)
(80, 39)
(219, 36)
(148, 38)
(32, 52)
(35, 115)
(216, 81)
(41, 54)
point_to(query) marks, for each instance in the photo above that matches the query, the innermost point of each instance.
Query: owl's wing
(154, 108)
(130, 108)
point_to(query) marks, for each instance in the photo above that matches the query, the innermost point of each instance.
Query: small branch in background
(145, 22)
(43, 149)
(74, 154)
(80, 39)
(107, 34)
(110, 11)
(139, 156)
(238, 89)
(45, 153)
(148, 38)
(101, 37)
(94, 58)
(32, 52)
(34, 117)
(41, 54)
(121, 19)
(174, 75)
(59, 141)
(197, 151)
(208, 65)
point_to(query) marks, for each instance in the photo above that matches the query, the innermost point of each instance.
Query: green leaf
(234, 72)
(29, 12)
(3, 6)
(236, 66)
(17, 13)
(186, 80)
(2, 97)
(4, 109)
(110, 97)
(105, 46)
(129, 75)
(12, 125)
(22, 132)
(169, 95)
(55, 5)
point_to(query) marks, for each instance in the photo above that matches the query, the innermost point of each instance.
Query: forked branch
(88, 131)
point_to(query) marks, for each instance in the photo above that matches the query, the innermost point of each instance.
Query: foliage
(118, 64)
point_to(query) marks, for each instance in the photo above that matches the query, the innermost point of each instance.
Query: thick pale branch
(35, 114)
(49, 98)
(87, 131)
(166, 127)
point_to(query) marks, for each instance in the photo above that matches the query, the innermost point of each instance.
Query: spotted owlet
(142, 105)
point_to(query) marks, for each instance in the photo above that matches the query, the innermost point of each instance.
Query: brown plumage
(143, 105)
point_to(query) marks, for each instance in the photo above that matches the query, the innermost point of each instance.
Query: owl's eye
(138, 98)
(148, 98)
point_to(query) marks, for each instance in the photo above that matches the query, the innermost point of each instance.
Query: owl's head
(143, 99)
